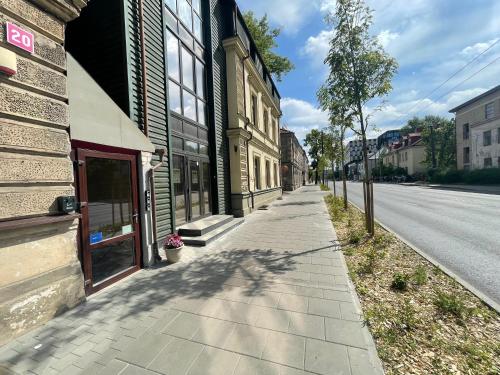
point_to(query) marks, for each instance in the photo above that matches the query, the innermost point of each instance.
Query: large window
(187, 74)
(487, 138)
(488, 163)
(256, 166)
(266, 121)
(268, 174)
(466, 131)
(489, 110)
(189, 13)
(466, 155)
(254, 112)
(275, 174)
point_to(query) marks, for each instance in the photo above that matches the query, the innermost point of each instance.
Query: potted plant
(173, 246)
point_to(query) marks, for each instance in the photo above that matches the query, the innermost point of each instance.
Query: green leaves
(360, 70)
(265, 39)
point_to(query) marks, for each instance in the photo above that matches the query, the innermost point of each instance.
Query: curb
(487, 300)
(371, 347)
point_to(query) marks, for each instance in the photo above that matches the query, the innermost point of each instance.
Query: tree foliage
(438, 136)
(265, 39)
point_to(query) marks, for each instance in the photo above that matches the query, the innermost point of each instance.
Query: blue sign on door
(95, 237)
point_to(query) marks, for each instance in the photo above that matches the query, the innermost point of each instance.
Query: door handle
(135, 216)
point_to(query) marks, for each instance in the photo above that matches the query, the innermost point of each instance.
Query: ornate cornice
(65, 10)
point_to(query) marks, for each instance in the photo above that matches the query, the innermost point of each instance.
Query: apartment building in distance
(407, 153)
(477, 124)
(354, 156)
(294, 161)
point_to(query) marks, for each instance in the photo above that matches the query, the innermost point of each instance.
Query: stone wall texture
(40, 274)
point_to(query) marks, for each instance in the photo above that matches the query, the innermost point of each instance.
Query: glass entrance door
(195, 190)
(191, 177)
(107, 185)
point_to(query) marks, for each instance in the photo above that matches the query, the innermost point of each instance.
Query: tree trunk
(333, 179)
(366, 179)
(344, 182)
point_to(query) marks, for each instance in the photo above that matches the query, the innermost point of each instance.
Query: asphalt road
(460, 230)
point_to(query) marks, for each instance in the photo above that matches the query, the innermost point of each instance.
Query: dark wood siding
(157, 96)
(219, 14)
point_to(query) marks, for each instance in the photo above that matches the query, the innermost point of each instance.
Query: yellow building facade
(253, 130)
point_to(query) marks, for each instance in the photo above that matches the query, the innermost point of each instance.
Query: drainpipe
(151, 178)
(145, 129)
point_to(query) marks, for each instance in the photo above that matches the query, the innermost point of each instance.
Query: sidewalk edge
(371, 346)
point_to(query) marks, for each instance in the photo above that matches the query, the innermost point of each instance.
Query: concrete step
(203, 226)
(212, 235)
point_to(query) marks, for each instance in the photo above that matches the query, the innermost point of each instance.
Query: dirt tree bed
(422, 320)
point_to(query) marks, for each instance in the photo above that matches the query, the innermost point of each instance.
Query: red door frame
(85, 246)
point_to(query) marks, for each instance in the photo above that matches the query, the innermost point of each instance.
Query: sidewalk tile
(360, 362)
(214, 361)
(277, 320)
(307, 325)
(184, 325)
(247, 340)
(324, 307)
(293, 303)
(176, 357)
(345, 332)
(285, 349)
(214, 332)
(144, 350)
(252, 366)
(326, 358)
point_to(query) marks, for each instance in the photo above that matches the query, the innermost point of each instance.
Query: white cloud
(385, 37)
(301, 116)
(478, 48)
(317, 47)
(290, 17)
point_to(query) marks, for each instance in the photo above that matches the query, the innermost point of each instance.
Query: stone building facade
(40, 275)
(478, 131)
(407, 153)
(294, 162)
(253, 123)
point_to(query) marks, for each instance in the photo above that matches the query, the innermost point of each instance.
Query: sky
(430, 39)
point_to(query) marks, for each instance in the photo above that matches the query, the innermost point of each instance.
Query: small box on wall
(8, 62)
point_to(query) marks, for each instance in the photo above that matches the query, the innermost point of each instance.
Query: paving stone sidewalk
(272, 297)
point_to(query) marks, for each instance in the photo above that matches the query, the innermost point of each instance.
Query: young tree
(360, 71)
(340, 121)
(315, 141)
(265, 40)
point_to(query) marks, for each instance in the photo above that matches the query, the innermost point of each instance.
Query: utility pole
(433, 147)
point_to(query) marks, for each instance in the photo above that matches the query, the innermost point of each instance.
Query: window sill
(36, 221)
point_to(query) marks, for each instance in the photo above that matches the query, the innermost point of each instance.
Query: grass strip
(422, 320)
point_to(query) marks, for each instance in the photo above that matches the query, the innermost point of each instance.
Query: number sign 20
(20, 38)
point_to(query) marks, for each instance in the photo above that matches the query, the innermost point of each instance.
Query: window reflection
(201, 112)
(197, 28)
(187, 69)
(197, 6)
(173, 56)
(200, 79)
(189, 106)
(185, 13)
(174, 96)
(171, 5)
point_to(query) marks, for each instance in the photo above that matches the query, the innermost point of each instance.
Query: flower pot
(173, 254)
